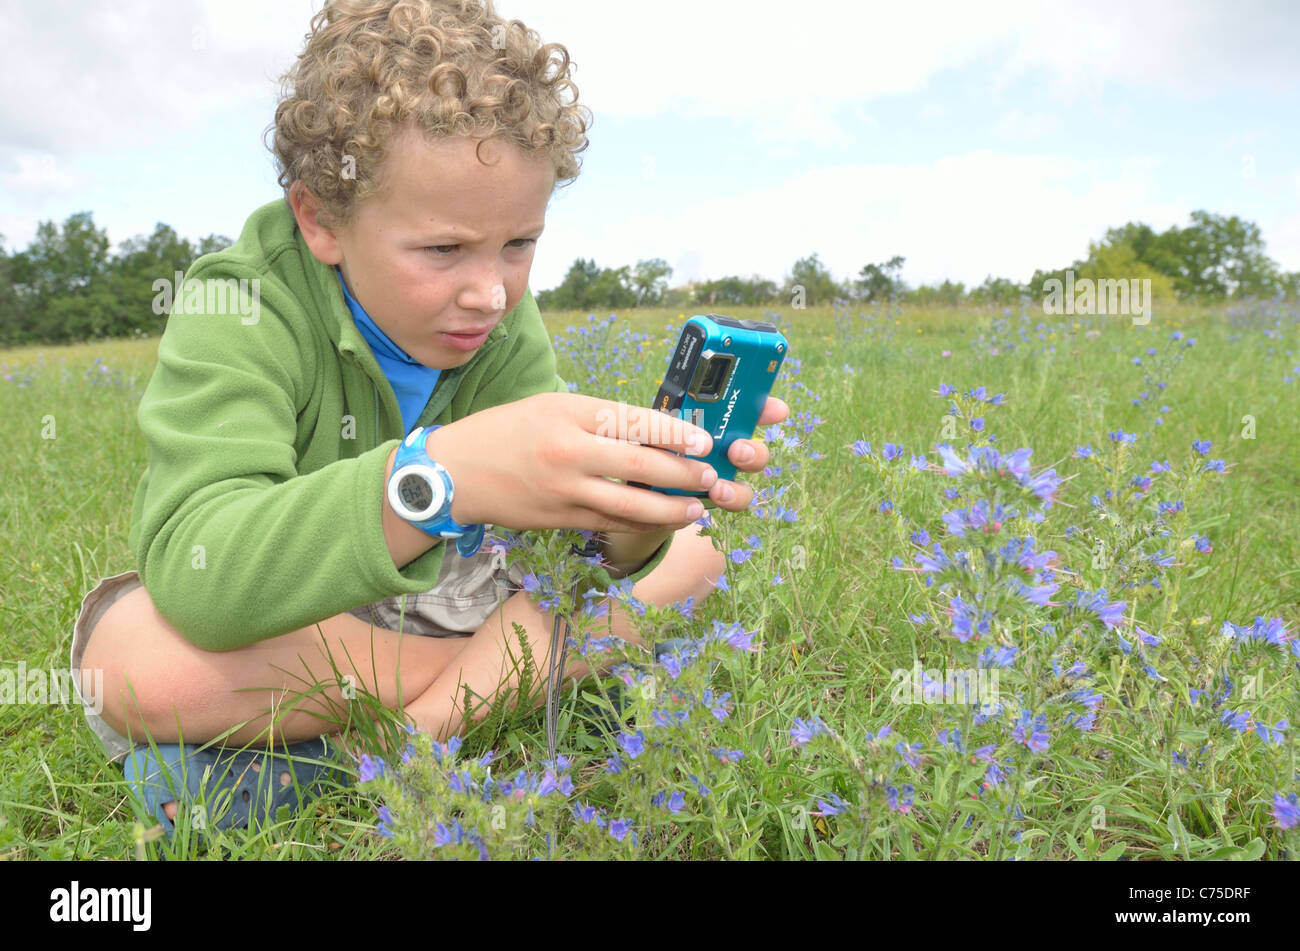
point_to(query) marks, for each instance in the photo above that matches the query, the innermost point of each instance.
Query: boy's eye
(442, 250)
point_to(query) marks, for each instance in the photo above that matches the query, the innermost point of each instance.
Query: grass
(831, 635)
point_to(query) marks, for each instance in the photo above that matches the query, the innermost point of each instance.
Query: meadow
(929, 643)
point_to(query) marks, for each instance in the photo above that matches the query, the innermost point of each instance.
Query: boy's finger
(641, 507)
(732, 496)
(748, 455)
(774, 411)
(648, 427)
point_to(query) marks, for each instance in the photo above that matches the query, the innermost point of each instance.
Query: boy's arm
(234, 544)
(630, 553)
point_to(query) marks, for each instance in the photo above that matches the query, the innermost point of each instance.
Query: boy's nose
(488, 296)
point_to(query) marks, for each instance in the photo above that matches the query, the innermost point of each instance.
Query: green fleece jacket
(269, 429)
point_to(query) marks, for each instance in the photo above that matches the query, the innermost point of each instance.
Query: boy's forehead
(445, 183)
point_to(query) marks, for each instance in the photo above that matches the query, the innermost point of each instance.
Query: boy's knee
(691, 567)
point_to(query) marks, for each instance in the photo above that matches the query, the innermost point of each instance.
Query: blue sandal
(251, 778)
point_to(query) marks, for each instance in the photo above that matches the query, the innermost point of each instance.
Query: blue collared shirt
(412, 382)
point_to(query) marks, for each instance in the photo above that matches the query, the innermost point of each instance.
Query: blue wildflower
(1285, 810)
(803, 731)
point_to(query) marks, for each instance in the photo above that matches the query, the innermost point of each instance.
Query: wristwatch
(420, 490)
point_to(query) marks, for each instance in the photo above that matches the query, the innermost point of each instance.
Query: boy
(419, 144)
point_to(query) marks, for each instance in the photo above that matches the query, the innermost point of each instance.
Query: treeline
(1213, 258)
(67, 286)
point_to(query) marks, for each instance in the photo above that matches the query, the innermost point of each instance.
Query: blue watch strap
(469, 538)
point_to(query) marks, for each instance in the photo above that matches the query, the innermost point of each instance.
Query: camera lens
(713, 377)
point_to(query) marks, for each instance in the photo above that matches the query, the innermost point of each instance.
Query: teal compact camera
(718, 379)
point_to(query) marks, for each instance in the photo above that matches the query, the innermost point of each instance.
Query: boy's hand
(547, 461)
(748, 455)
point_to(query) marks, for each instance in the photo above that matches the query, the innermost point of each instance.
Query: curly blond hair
(373, 68)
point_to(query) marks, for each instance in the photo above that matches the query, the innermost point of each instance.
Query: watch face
(415, 493)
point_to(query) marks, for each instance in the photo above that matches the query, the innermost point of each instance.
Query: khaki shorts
(468, 592)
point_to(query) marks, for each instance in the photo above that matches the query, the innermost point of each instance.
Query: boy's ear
(323, 242)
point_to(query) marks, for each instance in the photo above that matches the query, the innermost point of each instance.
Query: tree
(1219, 257)
(880, 283)
(818, 285)
(611, 289)
(1289, 284)
(736, 290)
(573, 291)
(650, 281)
(947, 294)
(1109, 262)
(997, 291)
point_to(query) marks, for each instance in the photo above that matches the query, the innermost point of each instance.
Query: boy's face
(447, 246)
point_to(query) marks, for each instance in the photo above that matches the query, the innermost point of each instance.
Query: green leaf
(1114, 852)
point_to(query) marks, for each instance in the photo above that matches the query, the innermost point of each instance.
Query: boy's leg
(689, 569)
(156, 680)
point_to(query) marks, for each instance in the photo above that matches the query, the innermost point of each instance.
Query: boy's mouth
(466, 341)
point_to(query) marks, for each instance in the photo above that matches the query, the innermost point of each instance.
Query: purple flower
(633, 743)
(892, 451)
(897, 805)
(619, 828)
(1000, 655)
(1033, 734)
(584, 812)
(1214, 465)
(1040, 594)
(1285, 810)
(1202, 446)
(1119, 436)
(445, 836)
(1237, 721)
(977, 424)
(861, 448)
(953, 464)
(803, 731)
(1082, 452)
(1111, 614)
(834, 807)
(385, 827)
(965, 626)
(371, 769)
(1271, 734)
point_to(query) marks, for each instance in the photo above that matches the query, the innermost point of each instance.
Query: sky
(728, 137)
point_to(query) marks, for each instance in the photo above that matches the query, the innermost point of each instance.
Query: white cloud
(92, 76)
(759, 61)
(962, 217)
(1187, 47)
(1021, 125)
(35, 176)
